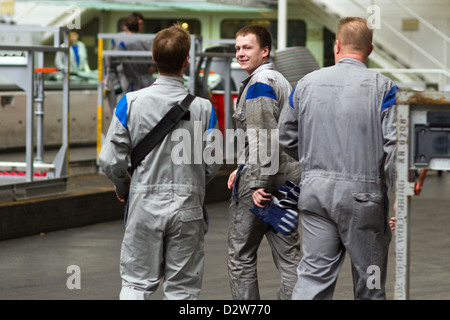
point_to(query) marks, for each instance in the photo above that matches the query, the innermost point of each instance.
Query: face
(73, 37)
(249, 54)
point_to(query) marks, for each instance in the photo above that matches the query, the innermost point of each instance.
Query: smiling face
(249, 53)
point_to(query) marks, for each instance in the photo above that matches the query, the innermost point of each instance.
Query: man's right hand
(232, 179)
(123, 198)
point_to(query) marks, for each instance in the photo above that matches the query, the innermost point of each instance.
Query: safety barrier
(24, 65)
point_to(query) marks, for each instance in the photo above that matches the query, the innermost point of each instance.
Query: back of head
(132, 23)
(263, 35)
(138, 15)
(354, 35)
(171, 48)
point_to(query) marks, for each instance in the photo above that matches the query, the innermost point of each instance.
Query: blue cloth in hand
(281, 220)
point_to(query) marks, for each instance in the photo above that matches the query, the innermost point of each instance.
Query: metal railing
(27, 73)
(443, 75)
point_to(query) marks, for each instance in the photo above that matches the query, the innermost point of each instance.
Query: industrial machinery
(24, 65)
(423, 143)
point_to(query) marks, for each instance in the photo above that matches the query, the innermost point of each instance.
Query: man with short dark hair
(341, 125)
(128, 76)
(255, 183)
(165, 227)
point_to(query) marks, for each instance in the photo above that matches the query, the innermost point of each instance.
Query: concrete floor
(36, 267)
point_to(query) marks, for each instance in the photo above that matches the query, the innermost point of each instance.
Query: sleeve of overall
(212, 153)
(84, 58)
(261, 112)
(59, 60)
(113, 157)
(389, 127)
(288, 127)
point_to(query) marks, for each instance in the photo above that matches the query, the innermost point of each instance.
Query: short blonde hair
(354, 33)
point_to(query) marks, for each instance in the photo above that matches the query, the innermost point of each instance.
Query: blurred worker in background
(127, 76)
(78, 55)
(140, 22)
(262, 96)
(341, 125)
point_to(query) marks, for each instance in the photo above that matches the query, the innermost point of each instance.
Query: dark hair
(138, 15)
(132, 23)
(263, 35)
(170, 48)
(354, 33)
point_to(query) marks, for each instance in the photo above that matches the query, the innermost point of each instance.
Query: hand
(123, 198)
(231, 179)
(261, 197)
(392, 222)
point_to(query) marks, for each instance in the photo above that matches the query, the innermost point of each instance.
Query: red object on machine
(419, 184)
(218, 102)
(21, 174)
(45, 70)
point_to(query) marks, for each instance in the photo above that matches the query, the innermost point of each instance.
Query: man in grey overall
(260, 101)
(164, 235)
(341, 125)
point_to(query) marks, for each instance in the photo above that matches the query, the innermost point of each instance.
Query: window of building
(156, 25)
(328, 47)
(296, 29)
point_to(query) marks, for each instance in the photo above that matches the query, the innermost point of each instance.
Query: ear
(337, 47)
(266, 52)
(371, 49)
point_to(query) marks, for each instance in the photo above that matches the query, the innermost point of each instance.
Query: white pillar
(282, 23)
